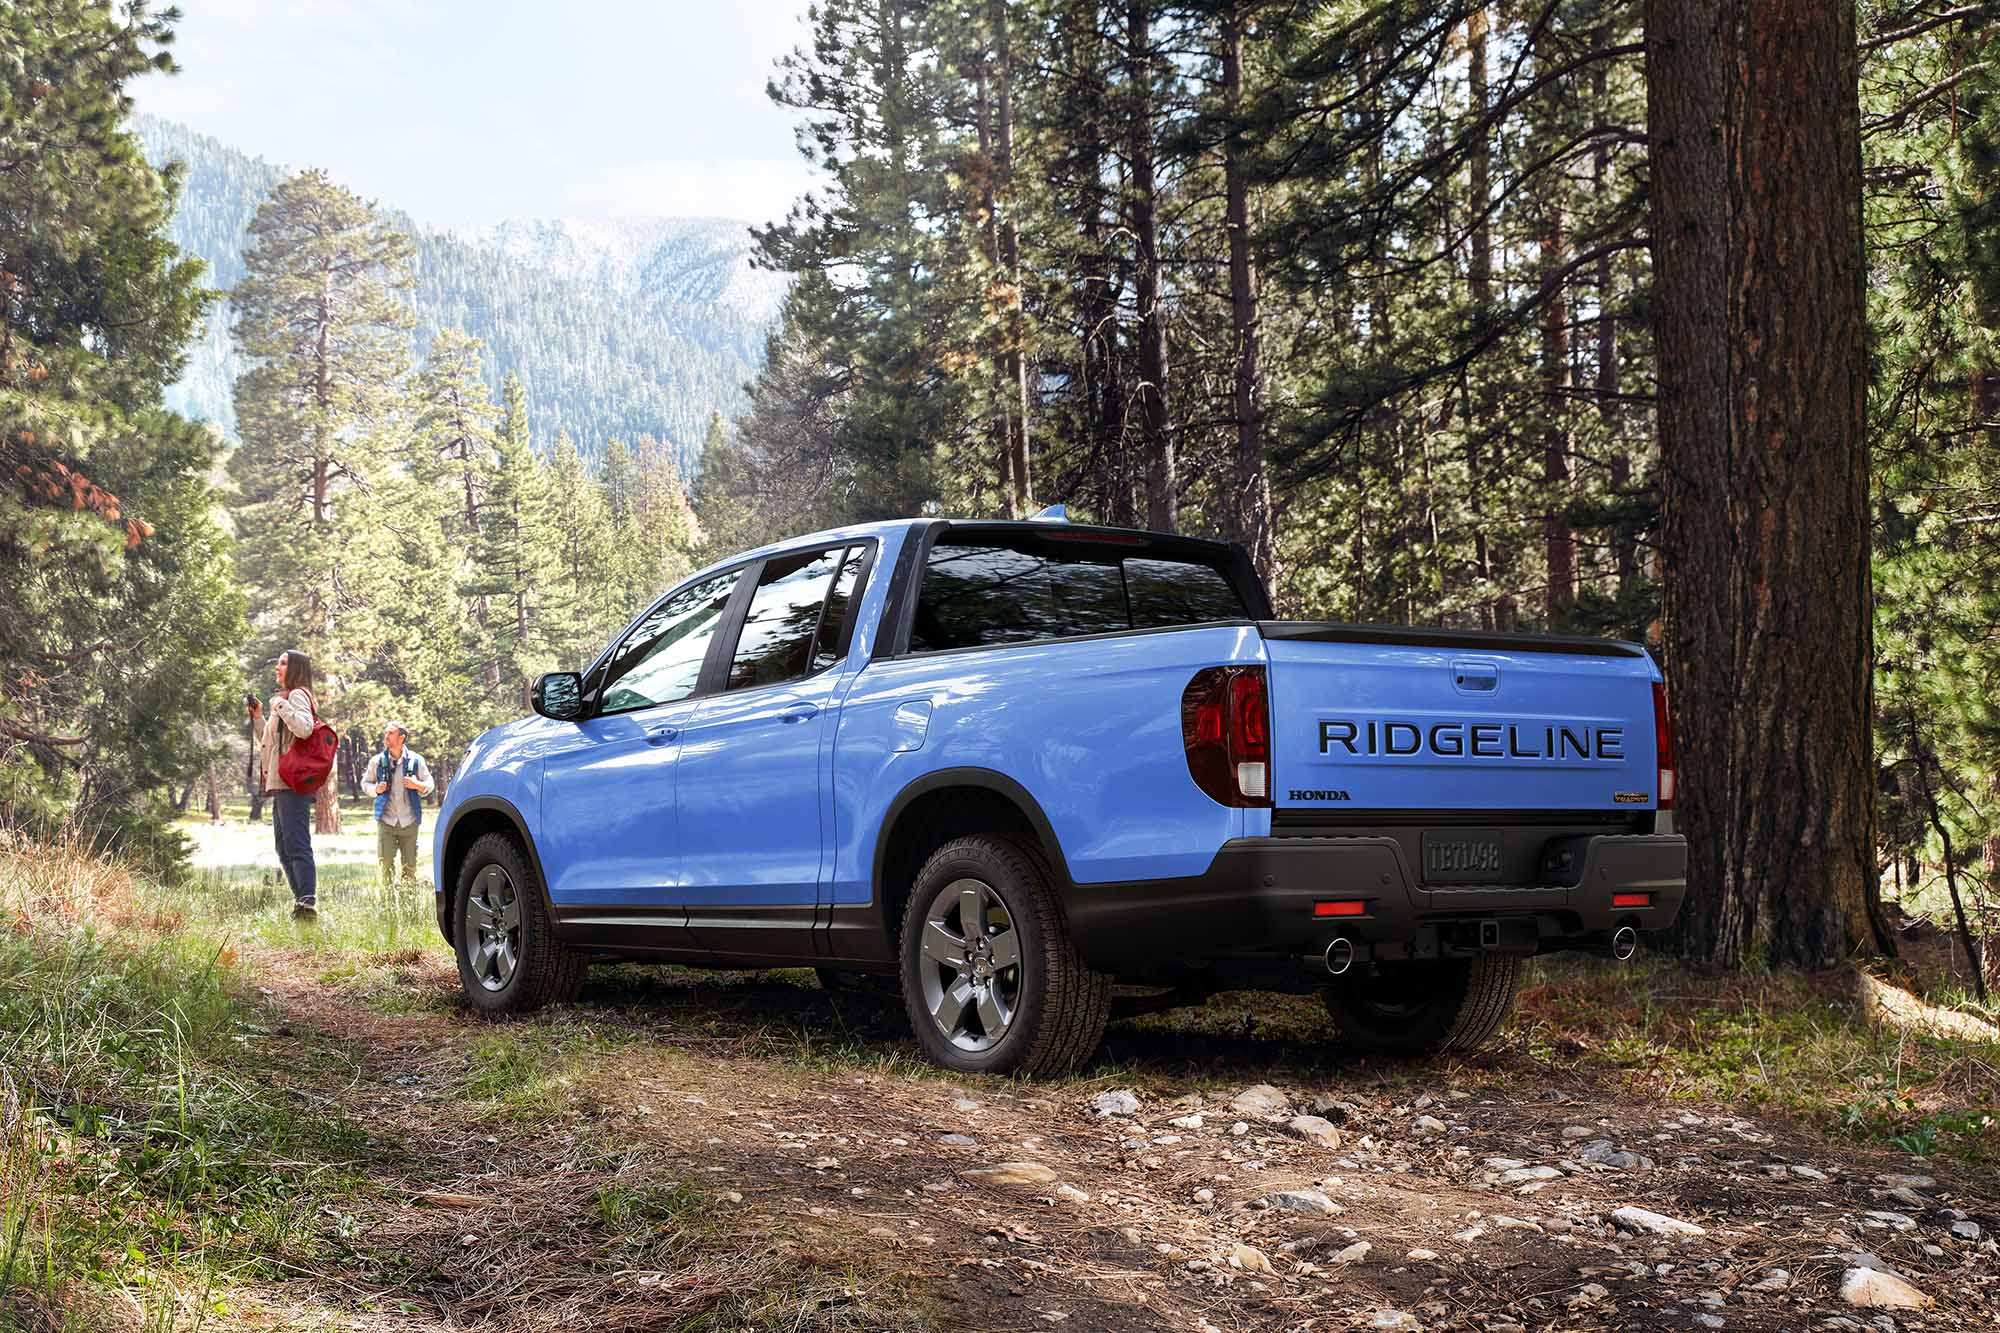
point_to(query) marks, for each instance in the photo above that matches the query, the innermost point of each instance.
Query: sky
(468, 112)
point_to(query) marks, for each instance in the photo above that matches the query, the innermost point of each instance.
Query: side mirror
(558, 694)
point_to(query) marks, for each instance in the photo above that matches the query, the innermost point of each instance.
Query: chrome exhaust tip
(1624, 943)
(1339, 956)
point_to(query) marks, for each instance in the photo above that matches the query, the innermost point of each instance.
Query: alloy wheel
(971, 965)
(493, 916)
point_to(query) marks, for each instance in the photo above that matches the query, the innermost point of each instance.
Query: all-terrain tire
(1061, 1005)
(1453, 1004)
(544, 970)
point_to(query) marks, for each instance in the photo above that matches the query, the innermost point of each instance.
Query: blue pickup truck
(1014, 764)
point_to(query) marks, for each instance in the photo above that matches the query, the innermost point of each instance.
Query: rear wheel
(509, 960)
(991, 979)
(1452, 1004)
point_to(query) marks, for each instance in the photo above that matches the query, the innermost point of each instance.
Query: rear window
(977, 595)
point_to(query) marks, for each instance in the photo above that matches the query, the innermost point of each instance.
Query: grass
(146, 1159)
(1799, 1045)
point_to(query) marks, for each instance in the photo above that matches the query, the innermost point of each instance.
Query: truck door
(749, 788)
(607, 839)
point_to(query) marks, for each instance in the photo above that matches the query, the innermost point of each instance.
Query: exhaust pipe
(1339, 956)
(1624, 943)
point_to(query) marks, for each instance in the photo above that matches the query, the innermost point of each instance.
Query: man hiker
(400, 780)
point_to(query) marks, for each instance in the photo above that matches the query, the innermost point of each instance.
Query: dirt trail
(1471, 1197)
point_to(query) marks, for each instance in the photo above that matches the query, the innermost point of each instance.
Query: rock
(1909, 1198)
(1505, 1163)
(1186, 1122)
(1315, 1128)
(1072, 1194)
(1776, 1280)
(1204, 1196)
(1577, 1131)
(1239, 1129)
(1590, 1293)
(1709, 1320)
(1311, 1202)
(1119, 1101)
(1398, 1321)
(1249, 1258)
(1659, 1224)
(1427, 1124)
(1013, 1173)
(1596, 1150)
(1470, 1234)
(1875, 1289)
(1515, 1223)
(1261, 1101)
(957, 1140)
(1525, 1173)
(1420, 1255)
(1354, 1253)
(1130, 1235)
(1897, 1180)
(1808, 1172)
(1965, 1230)
(824, 1164)
(1899, 1221)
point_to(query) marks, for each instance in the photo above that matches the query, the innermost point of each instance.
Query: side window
(783, 624)
(1174, 592)
(660, 660)
(831, 644)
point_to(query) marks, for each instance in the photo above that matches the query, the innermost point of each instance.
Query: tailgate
(1368, 718)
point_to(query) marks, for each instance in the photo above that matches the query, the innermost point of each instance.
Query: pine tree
(116, 621)
(452, 445)
(317, 309)
(514, 574)
(580, 521)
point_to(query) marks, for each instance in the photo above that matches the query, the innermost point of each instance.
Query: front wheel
(1453, 1004)
(991, 979)
(509, 960)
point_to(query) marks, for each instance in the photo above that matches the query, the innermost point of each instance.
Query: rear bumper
(1254, 905)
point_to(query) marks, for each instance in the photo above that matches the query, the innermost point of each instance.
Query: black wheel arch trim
(985, 779)
(495, 805)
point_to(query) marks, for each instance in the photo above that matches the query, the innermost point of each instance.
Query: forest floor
(685, 1150)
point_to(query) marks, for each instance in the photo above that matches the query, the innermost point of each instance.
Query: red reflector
(1631, 900)
(1345, 907)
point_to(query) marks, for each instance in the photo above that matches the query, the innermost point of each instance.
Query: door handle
(801, 713)
(661, 735)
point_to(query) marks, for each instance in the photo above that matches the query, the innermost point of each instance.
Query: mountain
(617, 327)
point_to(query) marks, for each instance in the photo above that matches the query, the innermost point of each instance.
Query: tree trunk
(1013, 322)
(1479, 284)
(1162, 498)
(1251, 519)
(1754, 124)
(1001, 429)
(1558, 541)
(326, 810)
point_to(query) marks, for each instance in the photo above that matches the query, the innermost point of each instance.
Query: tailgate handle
(1475, 677)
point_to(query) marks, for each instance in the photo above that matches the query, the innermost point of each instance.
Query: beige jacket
(295, 710)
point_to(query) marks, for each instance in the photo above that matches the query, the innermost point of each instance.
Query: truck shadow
(789, 1014)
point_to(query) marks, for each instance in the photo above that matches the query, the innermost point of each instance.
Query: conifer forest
(1673, 320)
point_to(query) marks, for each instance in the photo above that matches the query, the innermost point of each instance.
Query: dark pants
(291, 820)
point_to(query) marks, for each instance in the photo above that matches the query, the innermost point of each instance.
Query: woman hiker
(290, 720)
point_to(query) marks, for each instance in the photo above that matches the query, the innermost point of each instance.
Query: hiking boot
(303, 910)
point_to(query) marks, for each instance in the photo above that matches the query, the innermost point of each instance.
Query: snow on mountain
(686, 261)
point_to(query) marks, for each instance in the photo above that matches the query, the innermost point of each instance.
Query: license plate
(1462, 856)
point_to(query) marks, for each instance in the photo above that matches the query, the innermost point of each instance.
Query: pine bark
(1252, 511)
(1754, 125)
(1558, 541)
(1479, 286)
(1014, 359)
(1156, 435)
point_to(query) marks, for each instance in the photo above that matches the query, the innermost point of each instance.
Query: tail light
(1226, 727)
(1663, 744)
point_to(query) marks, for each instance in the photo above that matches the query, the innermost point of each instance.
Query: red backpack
(308, 759)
